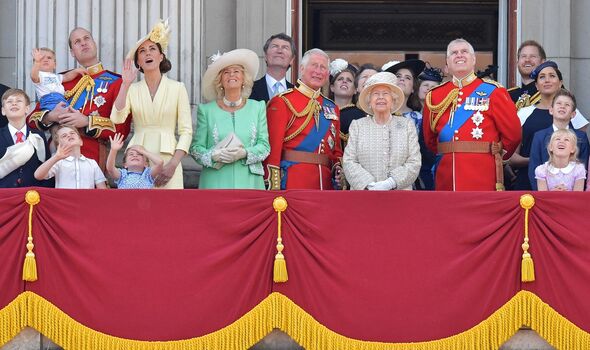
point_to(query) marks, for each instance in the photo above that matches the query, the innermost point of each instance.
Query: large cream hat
(159, 34)
(243, 57)
(385, 79)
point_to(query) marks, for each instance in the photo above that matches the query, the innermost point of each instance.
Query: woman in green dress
(231, 140)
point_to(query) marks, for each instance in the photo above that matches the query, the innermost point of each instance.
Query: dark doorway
(381, 31)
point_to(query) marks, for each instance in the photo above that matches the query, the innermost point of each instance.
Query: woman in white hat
(231, 139)
(382, 151)
(159, 105)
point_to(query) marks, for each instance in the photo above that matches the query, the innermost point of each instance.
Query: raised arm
(157, 164)
(128, 76)
(61, 153)
(37, 57)
(116, 145)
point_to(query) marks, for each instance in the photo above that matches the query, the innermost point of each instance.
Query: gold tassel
(280, 266)
(527, 270)
(30, 266)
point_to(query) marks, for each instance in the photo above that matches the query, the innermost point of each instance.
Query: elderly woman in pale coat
(383, 151)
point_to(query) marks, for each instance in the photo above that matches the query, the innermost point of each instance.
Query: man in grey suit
(279, 52)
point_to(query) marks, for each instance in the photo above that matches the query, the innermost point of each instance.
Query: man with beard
(530, 55)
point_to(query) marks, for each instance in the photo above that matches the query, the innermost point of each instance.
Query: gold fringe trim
(527, 268)
(440, 108)
(280, 265)
(278, 311)
(86, 83)
(30, 265)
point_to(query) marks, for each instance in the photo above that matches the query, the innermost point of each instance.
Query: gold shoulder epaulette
(493, 82)
(288, 91)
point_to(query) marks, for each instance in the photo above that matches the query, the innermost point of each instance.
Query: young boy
(48, 85)
(70, 168)
(136, 173)
(22, 150)
(563, 109)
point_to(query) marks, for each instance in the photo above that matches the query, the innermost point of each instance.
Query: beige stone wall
(561, 27)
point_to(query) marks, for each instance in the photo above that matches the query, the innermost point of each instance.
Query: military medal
(333, 130)
(331, 142)
(330, 113)
(99, 100)
(477, 133)
(103, 88)
(477, 118)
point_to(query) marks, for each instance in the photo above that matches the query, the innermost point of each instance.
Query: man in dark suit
(22, 149)
(279, 52)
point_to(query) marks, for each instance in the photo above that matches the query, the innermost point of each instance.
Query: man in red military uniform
(90, 98)
(467, 122)
(303, 128)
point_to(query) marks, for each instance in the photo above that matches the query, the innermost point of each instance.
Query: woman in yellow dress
(159, 105)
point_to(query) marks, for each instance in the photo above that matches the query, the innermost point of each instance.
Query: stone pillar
(580, 51)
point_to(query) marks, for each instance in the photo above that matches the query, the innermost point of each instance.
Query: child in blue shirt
(136, 174)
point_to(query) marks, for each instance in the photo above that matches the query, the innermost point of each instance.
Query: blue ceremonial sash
(311, 141)
(484, 90)
(104, 80)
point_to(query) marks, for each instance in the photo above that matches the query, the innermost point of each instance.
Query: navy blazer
(23, 176)
(260, 91)
(539, 154)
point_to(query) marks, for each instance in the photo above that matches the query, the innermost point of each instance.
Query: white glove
(237, 153)
(385, 185)
(221, 156)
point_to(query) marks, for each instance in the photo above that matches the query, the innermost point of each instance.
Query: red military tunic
(93, 95)
(463, 171)
(293, 119)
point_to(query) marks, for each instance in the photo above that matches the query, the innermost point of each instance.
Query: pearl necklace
(232, 104)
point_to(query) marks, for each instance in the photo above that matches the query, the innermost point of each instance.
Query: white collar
(568, 169)
(71, 158)
(14, 130)
(270, 81)
(555, 127)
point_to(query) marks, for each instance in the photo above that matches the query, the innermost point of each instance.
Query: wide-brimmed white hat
(160, 34)
(243, 57)
(386, 79)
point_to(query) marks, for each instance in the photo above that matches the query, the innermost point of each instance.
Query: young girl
(136, 174)
(563, 171)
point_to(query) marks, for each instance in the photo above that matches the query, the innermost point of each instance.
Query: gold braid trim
(278, 311)
(85, 83)
(440, 108)
(313, 108)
